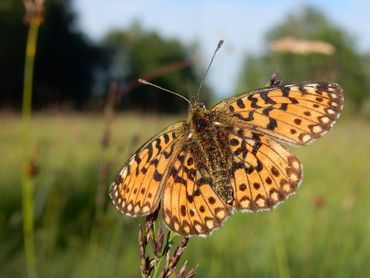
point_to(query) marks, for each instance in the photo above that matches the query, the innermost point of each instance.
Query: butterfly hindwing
(295, 114)
(264, 173)
(138, 187)
(190, 206)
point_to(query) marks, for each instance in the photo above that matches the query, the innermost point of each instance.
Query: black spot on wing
(242, 150)
(253, 101)
(118, 179)
(181, 180)
(323, 87)
(257, 143)
(284, 107)
(285, 91)
(302, 89)
(158, 145)
(166, 138)
(259, 166)
(240, 103)
(267, 110)
(167, 154)
(150, 151)
(173, 172)
(266, 98)
(157, 176)
(237, 165)
(272, 124)
(234, 142)
(137, 160)
(248, 119)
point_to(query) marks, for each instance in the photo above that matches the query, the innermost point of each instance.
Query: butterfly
(230, 157)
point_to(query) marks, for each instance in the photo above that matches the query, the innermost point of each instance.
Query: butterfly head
(197, 105)
(198, 115)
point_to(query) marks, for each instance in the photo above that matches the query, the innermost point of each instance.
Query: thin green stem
(280, 252)
(28, 182)
(156, 267)
(158, 261)
(172, 236)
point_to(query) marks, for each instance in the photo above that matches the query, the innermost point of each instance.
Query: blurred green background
(89, 115)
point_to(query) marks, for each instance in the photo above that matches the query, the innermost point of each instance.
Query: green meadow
(321, 231)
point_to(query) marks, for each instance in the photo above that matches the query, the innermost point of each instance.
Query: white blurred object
(293, 45)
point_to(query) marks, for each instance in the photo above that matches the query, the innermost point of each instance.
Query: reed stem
(28, 181)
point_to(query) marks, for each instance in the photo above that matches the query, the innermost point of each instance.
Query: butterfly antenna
(209, 66)
(142, 81)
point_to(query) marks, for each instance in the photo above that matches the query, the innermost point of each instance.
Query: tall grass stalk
(106, 158)
(280, 250)
(28, 181)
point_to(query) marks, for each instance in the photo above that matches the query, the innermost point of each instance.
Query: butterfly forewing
(296, 114)
(138, 187)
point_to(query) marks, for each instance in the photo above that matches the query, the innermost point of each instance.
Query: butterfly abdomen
(212, 146)
(219, 171)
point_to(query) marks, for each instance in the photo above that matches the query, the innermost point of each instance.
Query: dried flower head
(34, 11)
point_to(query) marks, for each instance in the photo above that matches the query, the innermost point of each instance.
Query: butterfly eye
(200, 124)
(201, 105)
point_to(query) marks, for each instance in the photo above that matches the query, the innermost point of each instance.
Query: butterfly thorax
(210, 150)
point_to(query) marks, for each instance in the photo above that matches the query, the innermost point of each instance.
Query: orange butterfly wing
(138, 187)
(295, 114)
(264, 173)
(190, 206)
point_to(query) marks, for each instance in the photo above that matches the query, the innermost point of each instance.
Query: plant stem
(280, 251)
(159, 260)
(28, 182)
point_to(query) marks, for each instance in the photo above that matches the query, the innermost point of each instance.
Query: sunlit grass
(321, 231)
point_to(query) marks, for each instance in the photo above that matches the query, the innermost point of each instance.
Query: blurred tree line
(65, 59)
(312, 30)
(135, 53)
(75, 72)
(72, 71)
